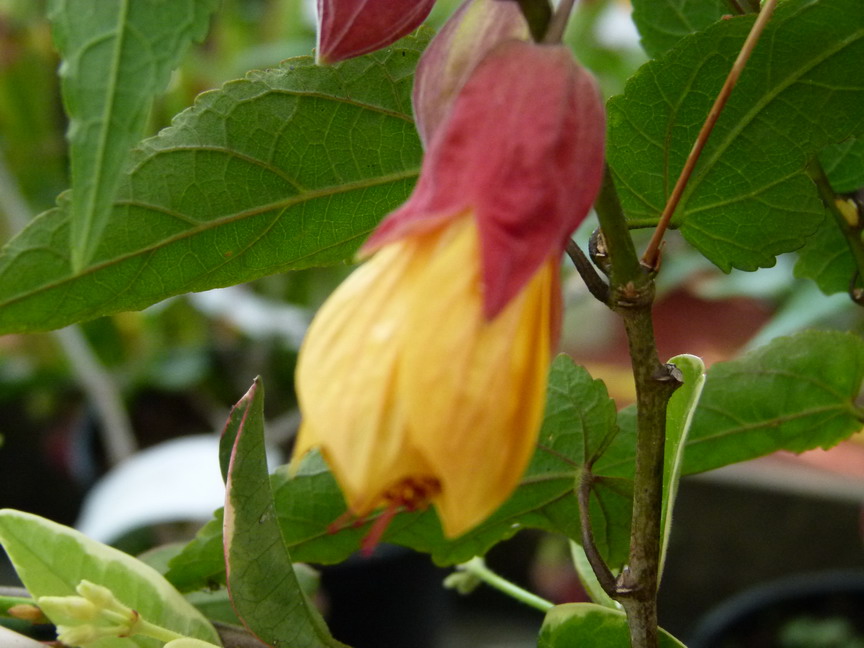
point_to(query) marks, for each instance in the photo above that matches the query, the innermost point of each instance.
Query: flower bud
(96, 614)
(474, 29)
(348, 28)
(100, 596)
(78, 635)
(26, 612)
(68, 609)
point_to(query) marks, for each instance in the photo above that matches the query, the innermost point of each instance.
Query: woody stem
(632, 296)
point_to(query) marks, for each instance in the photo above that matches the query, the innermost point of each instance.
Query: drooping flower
(423, 377)
(348, 28)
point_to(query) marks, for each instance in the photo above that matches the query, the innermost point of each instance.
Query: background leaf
(212, 202)
(589, 624)
(52, 559)
(264, 589)
(796, 393)
(749, 198)
(844, 165)
(826, 259)
(201, 563)
(580, 418)
(117, 54)
(662, 23)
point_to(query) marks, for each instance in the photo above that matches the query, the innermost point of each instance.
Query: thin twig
(97, 384)
(596, 286)
(601, 569)
(558, 23)
(851, 231)
(651, 255)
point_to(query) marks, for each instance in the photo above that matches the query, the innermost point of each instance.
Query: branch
(596, 285)
(632, 296)
(589, 546)
(849, 223)
(558, 23)
(97, 384)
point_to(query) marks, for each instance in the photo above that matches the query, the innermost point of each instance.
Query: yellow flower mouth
(412, 493)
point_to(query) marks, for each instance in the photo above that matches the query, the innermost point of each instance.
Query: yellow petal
(402, 378)
(346, 374)
(473, 389)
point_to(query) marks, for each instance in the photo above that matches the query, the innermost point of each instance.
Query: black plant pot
(820, 610)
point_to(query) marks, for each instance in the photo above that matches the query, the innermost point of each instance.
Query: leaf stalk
(652, 253)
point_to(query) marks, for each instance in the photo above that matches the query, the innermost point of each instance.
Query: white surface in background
(178, 480)
(615, 28)
(256, 316)
(9, 639)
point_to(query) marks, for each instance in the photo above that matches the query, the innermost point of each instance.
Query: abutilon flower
(422, 379)
(348, 28)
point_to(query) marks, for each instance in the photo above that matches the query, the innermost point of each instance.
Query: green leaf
(844, 164)
(796, 393)
(749, 198)
(117, 55)
(52, 559)
(579, 421)
(580, 418)
(286, 169)
(826, 259)
(662, 23)
(201, 563)
(679, 416)
(264, 589)
(589, 624)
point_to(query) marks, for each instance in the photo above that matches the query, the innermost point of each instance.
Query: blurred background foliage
(179, 366)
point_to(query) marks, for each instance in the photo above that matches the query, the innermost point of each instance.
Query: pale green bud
(68, 610)
(96, 614)
(100, 596)
(463, 582)
(78, 635)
